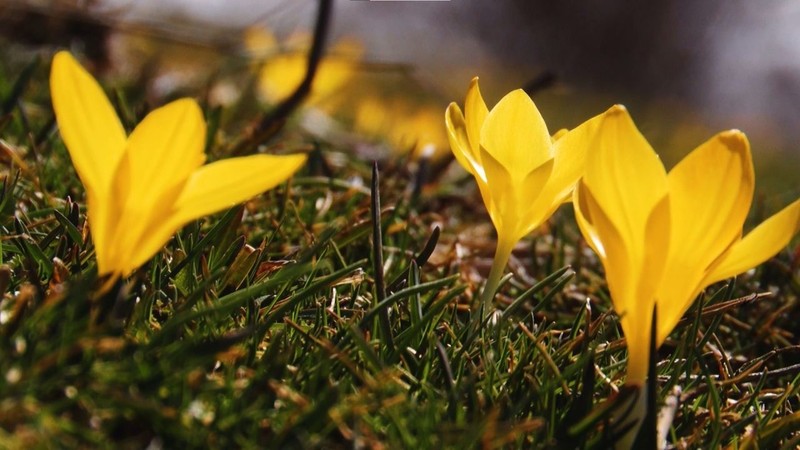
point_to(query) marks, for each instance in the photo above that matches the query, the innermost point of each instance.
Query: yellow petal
(95, 139)
(623, 209)
(224, 183)
(212, 188)
(710, 192)
(570, 148)
(760, 244)
(457, 134)
(658, 237)
(148, 246)
(332, 74)
(281, 75)
(559, 134)
(88, 123)
(500, 196)
(527, 201)
(516, 136)
(459, 141)
(338, 67)
(476, 112)
(509, 201)
(163, 151)
(622, 268)
(138, 218)
(625, 177)
(102, 216)
(580, 198)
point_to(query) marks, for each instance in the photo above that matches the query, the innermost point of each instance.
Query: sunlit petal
(459, 140)
(224, 183)
(503, 195)
(88, 123)
(625, 176)
(603, 236)
(760, 244)
(102, 215)
(621, 265)
(533, 207)
(510, 204)
(94, 137)
(281, 75)
(212, 188)
(622, 209)
(559, 134)
(658, 237)
(475, 115)
(710, 194)
(515, 134)
(157, 236)
(580, 198)
(166, 147)
(162, 152)
(571, 148)
(710, 191)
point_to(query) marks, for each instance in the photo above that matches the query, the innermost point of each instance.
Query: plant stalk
(501, 257)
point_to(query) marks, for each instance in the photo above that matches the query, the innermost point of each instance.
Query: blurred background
(685, 69)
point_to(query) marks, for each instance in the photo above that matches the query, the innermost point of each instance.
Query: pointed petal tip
(519, 97)
(63, 64)
(186, 107)
(453, 116)
(188, 103)
(63, 55)
(617, 109)
(451, 107)
(733, 138)
(474, 89)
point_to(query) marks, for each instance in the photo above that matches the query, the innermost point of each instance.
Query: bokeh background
(685, 69)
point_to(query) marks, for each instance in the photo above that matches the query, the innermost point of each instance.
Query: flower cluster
(662, 237)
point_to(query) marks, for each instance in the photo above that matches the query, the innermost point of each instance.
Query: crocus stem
(501, 256)
(642, 376)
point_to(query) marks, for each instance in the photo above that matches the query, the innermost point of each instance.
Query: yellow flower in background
(522, 172)
(381, 102)
(142, 188)
(663, 238)
(285, 65)
(404, 125)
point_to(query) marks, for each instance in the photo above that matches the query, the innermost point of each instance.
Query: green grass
(275, 324)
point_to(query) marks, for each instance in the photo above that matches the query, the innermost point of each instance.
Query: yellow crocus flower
(404, 125)
(142, 188)
(522, 172)
(664, 237)
(285, 66)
